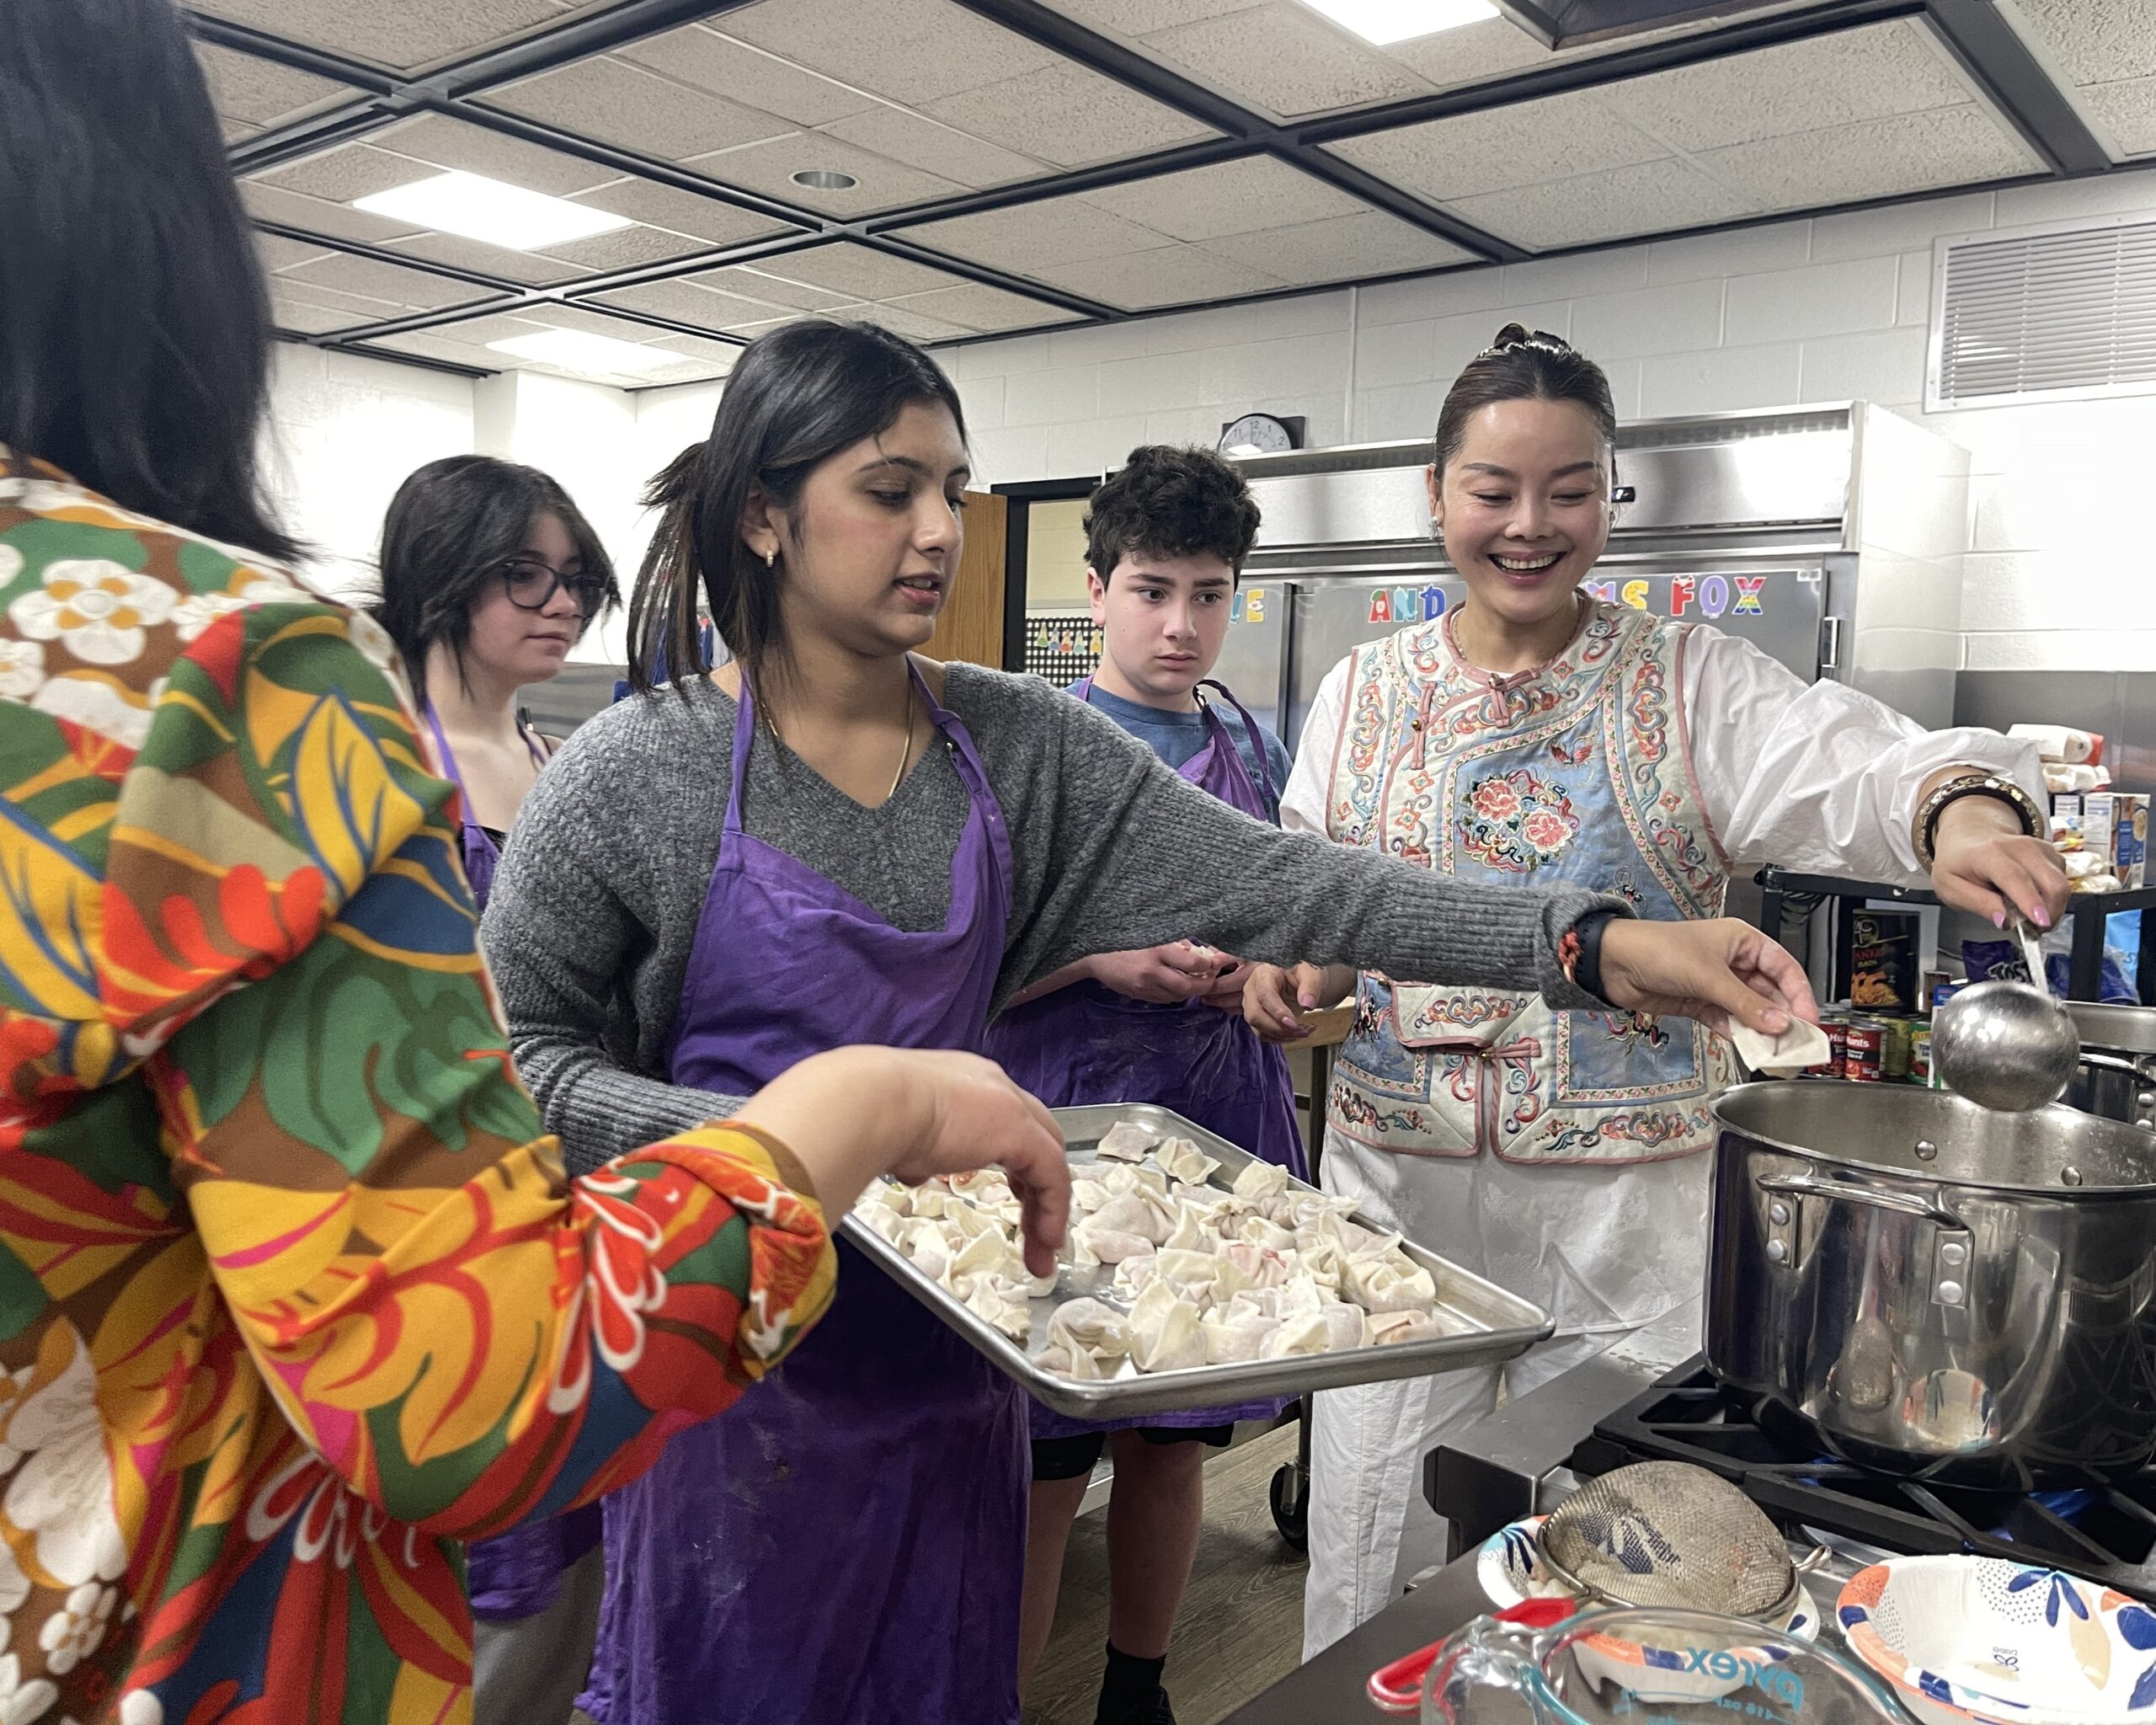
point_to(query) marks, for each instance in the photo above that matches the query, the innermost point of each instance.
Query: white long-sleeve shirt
(1815, 777)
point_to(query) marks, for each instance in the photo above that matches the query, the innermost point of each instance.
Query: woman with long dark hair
(294, 1295)
(1534, 735)
(829, 838)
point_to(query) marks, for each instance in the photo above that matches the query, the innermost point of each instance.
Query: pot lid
(1935, 1135)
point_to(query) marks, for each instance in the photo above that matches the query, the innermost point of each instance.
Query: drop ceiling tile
(507, 325)
(400, 33)
(2096, 41)
(489, 260)
(698, 54)
(1367, 242)
(269, 203)
(1172, 275)
(348, 172)
(855, 272)
(1528, 143)
(431, 344)
(934, 147)
(682, 212)
(1028, 236)
(590, 320)
(1799, 87)
(2127, 111)
(621, 103)
(1284, 57)
(237, 131)
(685, 303)
(1875, 158)
(687, 371)
(1470, 54)
(749, 283)
(386, 281)
(1068, 115)
(260, 92)
(1646, 197)
(1230, 197)
(624, 249)
(901, 320)
(913, 51)
(768, 167)
(350, 307)
(278, 254)
(980, 307)
(1135, 17)
(456, 143)
(289, 314)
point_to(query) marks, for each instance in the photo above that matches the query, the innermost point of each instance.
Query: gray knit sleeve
(1132, 855)
(568, 915)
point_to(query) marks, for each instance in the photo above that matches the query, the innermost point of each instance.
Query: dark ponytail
(798, 397)
(1523, 365)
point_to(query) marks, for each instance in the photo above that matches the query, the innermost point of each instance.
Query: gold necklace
(905, 750)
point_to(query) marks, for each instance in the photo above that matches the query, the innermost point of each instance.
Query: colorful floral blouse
(293, 1294)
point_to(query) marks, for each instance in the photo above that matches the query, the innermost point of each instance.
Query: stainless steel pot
(1934, 1288)
(2116, 1077)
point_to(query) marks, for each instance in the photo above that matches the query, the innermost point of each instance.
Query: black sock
(1129, 1679)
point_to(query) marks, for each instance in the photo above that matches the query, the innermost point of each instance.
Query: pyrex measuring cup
(1647, 1667)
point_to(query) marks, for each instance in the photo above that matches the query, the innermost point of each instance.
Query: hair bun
(1514, 335)
(1511, 335)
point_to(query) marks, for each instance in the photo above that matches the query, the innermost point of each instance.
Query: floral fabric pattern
(1517, 820)
(293, 1294)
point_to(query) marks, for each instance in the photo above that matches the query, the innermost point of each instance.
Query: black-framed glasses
(532, 585)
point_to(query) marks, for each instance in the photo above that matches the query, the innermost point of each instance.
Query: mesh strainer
(1663, 1533)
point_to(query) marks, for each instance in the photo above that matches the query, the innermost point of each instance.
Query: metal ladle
(2006, 1044)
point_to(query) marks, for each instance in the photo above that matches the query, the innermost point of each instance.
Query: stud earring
(770, 558)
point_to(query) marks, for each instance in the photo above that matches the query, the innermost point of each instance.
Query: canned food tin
(1864, 1050)
(1894, 1048)
(1920, 1054)
(1834, 1022)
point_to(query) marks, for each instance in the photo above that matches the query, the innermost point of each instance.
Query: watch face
(1256, 431)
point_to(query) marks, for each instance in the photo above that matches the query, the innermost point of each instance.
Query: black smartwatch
(1586, 972)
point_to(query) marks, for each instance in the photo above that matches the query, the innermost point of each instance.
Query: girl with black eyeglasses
(489, 575)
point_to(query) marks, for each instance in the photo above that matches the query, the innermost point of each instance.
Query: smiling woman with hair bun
(1534, 736)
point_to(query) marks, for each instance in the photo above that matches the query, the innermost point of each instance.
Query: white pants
(1616, 1254)
(530, 1670)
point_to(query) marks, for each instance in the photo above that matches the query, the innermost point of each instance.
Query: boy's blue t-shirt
(1175, 737)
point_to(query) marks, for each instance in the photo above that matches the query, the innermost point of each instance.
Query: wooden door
(971, 625)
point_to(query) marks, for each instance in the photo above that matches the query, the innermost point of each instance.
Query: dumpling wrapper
(1110, 1245)
(1258, 1231)
(1798, 1048)
(924, 1242)
(1181, 1159)
(1393, 1284)
(1073, 1363)
(1386, 1329)
(1235, 1334)
(1190, 1233)
(1093, 1326)
(984, 1257)
(1261, 1180)
(989, 1301)
(1086, 1196)
(1191, 1274)
(1309, 1334)
(1125, 1141)
(1138, 1211)
(1166, 1331)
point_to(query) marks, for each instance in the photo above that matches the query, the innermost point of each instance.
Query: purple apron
(1087, 1043)
(516, 1574)
(846, 1545)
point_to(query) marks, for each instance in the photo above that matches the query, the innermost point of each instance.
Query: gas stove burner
(2106, 1533)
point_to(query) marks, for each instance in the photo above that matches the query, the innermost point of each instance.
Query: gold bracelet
(1973, 784)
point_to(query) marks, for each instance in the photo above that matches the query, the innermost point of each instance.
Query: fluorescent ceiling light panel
(1383, 21)
(502, 214)
(580, 350)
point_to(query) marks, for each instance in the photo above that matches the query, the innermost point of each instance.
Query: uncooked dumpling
(1262, 1180)
(1309, 1334)
(1392, 1283)
(1235, 1332)
(1798, 1048)
(1010, 1315)
(1110, 1245)
(1181, 1159)
(1165, 1334)
(1190, 1233)
(1125, 1141)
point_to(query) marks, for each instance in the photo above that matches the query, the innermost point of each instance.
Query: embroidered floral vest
(1577, 773)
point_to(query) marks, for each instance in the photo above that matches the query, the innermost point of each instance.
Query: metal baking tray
(1500, 1326)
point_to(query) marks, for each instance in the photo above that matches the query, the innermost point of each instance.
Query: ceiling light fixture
(825, 180)
(580, 350)
(1381, 23)
(476, 207)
